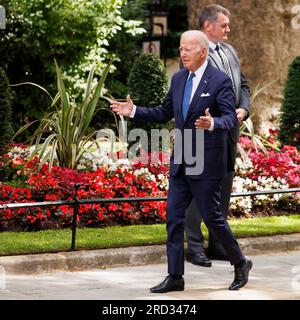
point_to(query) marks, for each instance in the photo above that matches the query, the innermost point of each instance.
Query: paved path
(274, 276)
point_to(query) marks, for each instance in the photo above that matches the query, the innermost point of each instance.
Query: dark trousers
(193, 221)
(207, 197)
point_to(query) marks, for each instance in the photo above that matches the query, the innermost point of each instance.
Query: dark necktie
(225, 63)
(223, 59)
(187, 95)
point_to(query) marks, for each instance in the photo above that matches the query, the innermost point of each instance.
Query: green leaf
(64, 132)
(35, 85)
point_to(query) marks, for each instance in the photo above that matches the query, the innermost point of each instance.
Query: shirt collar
(199, 72)
(213, 45)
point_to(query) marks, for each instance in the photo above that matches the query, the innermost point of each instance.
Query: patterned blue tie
(187, 95)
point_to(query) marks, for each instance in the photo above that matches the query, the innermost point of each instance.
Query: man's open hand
(204, 122)
(122, 108)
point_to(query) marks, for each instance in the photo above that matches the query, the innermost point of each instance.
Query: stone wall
(267, 41)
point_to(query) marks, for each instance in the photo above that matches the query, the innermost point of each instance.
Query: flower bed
(116, 181)
(23, 181)
(266, 171)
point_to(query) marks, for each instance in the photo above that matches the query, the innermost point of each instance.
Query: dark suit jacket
(242, 94)
(219, 97)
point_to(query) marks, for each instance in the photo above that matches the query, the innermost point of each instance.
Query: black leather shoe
(241, 274)
(168, 284)
(199, 259)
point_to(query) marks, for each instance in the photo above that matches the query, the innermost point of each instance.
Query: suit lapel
(200, 89)
(180, 91)
(215, 60)
(228, 55)
(232, 63)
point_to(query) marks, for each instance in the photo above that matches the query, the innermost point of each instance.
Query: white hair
(199, 36)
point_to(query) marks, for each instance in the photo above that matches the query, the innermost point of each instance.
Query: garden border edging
(135, 256)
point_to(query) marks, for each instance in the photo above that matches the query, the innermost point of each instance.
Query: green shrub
(75, 33)
(6, 131)
(289, 132)
(147, 82)
(147, 85)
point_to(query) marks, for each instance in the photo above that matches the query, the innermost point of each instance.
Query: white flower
(160, 176)
(243, 165)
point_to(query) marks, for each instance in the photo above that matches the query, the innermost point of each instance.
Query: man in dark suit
(201, 99)
(214, 22)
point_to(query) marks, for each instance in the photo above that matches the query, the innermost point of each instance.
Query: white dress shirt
(198, 76)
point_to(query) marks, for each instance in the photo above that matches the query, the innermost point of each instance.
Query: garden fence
(75, 203)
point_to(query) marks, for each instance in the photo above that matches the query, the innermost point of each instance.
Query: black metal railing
(77, 202)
